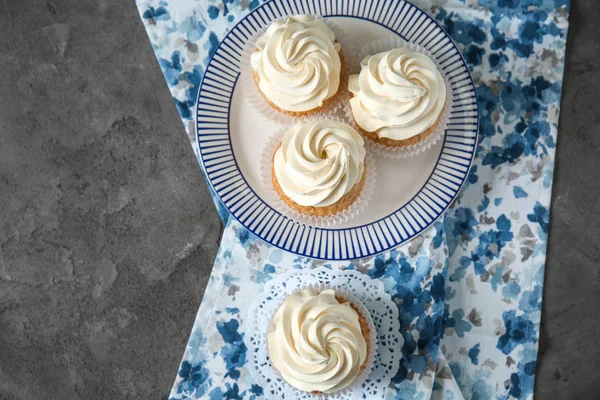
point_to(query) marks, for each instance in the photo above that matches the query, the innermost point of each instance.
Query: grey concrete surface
(107, 231)
(569, 356)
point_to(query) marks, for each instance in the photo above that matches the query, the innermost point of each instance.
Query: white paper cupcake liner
(387, 44)
(372, 302)
(273, 198)
(258, 102)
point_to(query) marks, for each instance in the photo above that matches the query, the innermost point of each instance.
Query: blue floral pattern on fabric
(469, 289)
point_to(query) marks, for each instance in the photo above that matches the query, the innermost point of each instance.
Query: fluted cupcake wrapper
(273, 198)
(258, 102)
(387, 44)
(367, 295)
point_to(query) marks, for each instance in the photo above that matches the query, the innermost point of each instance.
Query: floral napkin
(469, 289)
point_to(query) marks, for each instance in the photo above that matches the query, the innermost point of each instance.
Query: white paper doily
(369, 292)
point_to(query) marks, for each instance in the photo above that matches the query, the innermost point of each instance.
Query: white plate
(410, 194)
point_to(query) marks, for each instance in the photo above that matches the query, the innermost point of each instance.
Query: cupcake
(398, 97)
(318, 342)
(319, 167)
(297, 65)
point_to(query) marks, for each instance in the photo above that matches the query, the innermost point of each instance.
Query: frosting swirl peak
(297, 63)
(399, 93)
(317, 343)
(319, 161)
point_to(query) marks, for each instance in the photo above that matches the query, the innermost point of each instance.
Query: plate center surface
(397, 180)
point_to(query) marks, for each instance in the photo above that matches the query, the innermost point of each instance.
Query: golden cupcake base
(366, 334)
(322, 107)
(400, 143)
(364, 328)
(342, 204)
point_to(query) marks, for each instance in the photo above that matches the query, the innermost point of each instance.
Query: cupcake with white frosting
(319, 342)
(398, 97)
(319, 167)
(298, 65)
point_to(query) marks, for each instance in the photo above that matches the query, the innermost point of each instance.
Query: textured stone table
(108, 233)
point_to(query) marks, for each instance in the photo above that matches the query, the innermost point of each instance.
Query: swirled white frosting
(319, 161)
(398, 94)
(317, 343)
(297, 63)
